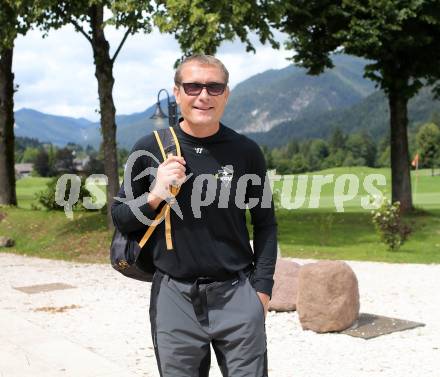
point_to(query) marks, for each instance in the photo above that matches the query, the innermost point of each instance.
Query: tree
(122, 157)
(383, 152)
(334, 159)
(428, 142)
(337, 140)
(363, 149)
(337, 149)
(435, 117)
(383, 159)
(64, 161)
(30, 154)
(267, 153)
(14, 19)
(400, 37)
(41, 163)
(284, 166)
(318, 152)
(87, 16)
(94, 166)
(299, 164)
(22, 143)
(201, 26)
(349, 160)
(292, 148)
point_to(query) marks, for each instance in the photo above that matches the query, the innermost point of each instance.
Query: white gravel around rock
(110, 317)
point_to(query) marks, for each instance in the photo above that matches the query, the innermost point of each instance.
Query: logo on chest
(198, 150)
(225, 175)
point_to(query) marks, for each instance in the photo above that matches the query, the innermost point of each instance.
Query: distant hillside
(52, 128)
(371, 114)
(275, 96)
(61, 130)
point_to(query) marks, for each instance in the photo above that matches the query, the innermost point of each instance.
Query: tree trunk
(7, 141)
(104, 75)
(400, 161)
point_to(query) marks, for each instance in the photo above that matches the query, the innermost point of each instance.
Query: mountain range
(371, 115)
(273, 97)
(271, 107)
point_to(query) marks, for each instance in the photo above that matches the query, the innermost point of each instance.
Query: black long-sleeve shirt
(212, 239)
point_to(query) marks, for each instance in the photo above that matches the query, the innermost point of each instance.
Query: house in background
(81, 163)
(23, 170)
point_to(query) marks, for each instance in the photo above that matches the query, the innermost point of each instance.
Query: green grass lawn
(304, 232)
(50, 234)
(425, 188)
(351, 236)
(27, 188)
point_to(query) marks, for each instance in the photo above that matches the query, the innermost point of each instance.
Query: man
(210, 288)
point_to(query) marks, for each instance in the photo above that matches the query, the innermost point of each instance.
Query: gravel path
(110, 317)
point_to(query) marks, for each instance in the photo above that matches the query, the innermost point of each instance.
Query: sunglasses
(195, 88)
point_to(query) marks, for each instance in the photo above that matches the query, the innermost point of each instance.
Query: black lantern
(159, 115)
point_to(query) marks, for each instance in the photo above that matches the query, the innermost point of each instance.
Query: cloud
(56, 74)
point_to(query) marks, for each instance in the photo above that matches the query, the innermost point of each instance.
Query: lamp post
(159, 115)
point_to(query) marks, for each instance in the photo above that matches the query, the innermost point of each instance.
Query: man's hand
(264, 298)
(170, 172)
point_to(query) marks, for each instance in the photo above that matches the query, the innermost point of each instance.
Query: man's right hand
(170, 172)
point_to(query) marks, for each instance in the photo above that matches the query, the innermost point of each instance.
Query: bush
(388, 223)
(47, 197)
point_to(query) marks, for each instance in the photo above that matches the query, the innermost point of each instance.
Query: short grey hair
(203, 60)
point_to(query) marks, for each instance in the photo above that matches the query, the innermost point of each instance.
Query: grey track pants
(186, 317)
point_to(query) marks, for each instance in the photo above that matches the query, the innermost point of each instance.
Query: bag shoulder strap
(168, 144)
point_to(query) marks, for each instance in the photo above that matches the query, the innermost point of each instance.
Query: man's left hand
(264, 298)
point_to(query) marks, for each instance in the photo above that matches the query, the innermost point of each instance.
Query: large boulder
(285, 286)
(328, 296)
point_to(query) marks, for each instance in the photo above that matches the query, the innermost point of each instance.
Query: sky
(55, 74)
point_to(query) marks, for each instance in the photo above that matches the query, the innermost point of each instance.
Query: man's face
(203, 109)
